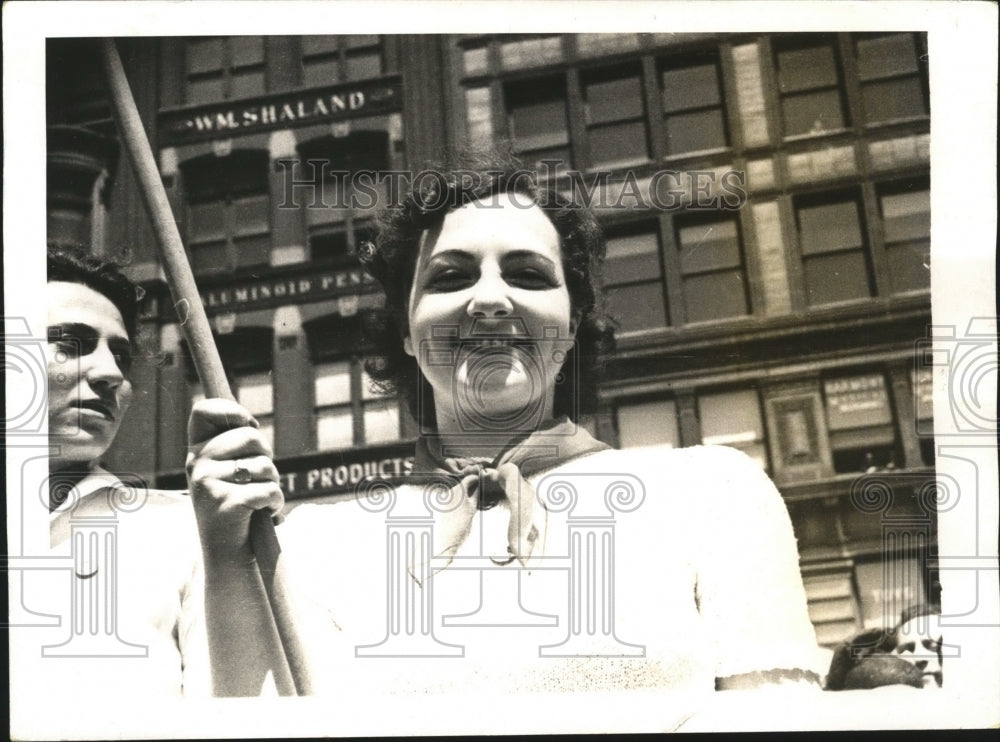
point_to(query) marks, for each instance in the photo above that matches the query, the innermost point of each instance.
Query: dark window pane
(613, 100)
(634, 257)
(330, 247)
(805, 69)
(829, 227)
(638, 307)
(204, 55)
(909, 266)
(715, 296)
(210, 258)
(247, 50)
(250, 215)
(207, 221)
(693, 132)
(561, 154)
(838, 277)
(812, 113)
(363, 66)
(710, 246)
(690, 87)
(356, 41)
(893, 99)
(254, 250)
(320, 44)
(885, 56)
(247, 83)
(205, 90)
(617, 145)
(321, 72)
(539, 123)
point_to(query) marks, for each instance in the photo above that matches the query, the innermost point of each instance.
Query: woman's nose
(489, 298)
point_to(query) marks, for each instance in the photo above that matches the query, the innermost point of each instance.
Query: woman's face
(490, 321)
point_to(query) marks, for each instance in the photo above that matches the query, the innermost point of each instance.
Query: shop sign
(285, 111)
(258, 293)
(342, 476)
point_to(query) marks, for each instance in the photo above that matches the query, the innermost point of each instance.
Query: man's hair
(73, 265)
(392, 260)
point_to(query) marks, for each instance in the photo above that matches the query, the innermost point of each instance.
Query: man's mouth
(98, 406)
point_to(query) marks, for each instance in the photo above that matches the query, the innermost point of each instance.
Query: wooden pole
(198, 333)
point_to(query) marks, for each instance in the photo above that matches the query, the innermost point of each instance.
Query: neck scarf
(481, 483)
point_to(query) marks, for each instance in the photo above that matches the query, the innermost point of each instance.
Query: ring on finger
(241, 475)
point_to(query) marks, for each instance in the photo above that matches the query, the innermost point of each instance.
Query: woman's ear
(408, 346)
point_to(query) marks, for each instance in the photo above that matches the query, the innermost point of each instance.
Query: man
(125, 575)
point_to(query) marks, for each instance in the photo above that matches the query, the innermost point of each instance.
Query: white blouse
(653, 569)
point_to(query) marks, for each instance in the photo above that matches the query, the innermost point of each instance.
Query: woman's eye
(530, 279)
(450, 280)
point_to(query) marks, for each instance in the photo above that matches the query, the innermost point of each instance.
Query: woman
(524, 555)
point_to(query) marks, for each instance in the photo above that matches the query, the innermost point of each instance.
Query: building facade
(766, 200)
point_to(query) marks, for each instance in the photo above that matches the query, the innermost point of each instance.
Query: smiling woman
(532, 556)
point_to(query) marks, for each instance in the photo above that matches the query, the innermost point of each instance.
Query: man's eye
(124, 361)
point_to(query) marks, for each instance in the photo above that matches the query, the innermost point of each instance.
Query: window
(652, 423)
(733, 419)
(833, 247)
(348, 412)
(694, 119)
(331, 59)
(255, 391)
(892, 78)
(536, 119)
(906, 228)
(616, 118)
(711, 261)
(338, 205)
(809, 87)
(859, 419)
(633, 278)
(224, 67)
(228, 212)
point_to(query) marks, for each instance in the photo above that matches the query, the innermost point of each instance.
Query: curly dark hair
(73, 265)
(392, 260)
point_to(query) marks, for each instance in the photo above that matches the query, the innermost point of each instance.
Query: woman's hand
(230, 475)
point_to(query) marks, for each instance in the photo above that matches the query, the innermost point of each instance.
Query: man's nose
(103, 368)
(489, 298)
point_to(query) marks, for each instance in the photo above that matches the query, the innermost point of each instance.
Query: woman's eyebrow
(451, 254)
(528, 255)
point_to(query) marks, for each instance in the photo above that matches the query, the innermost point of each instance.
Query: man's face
(918, 641)
(89, 356)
